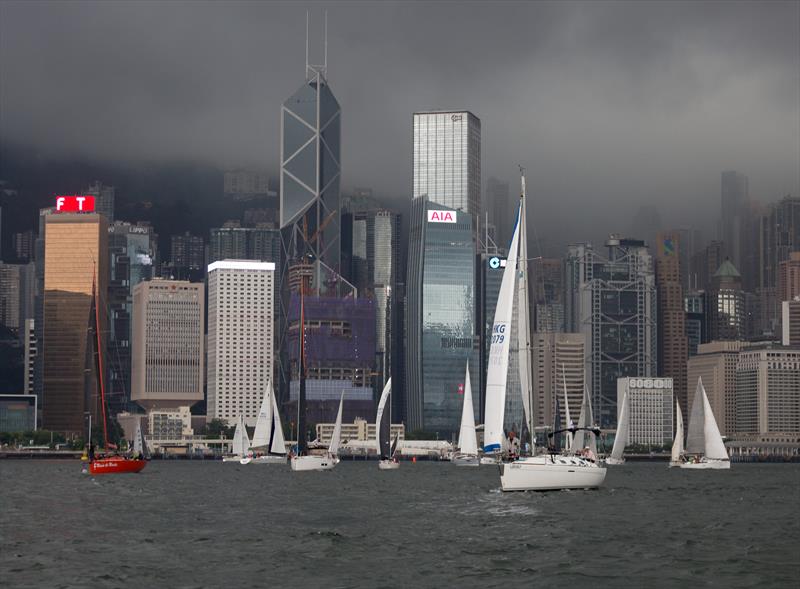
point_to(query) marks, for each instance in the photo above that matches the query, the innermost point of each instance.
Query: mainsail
(263, 423)
(278, 443)
(621, 437)
(497, 373)
(241, 442)
(336, 436)
(715, 447)
(467, 440)
(696, 436)
(523, 319)
(677, 445)
(382, 423)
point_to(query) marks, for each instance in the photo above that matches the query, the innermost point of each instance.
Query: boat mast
(99, 358)
(524, 323)
(301, 398)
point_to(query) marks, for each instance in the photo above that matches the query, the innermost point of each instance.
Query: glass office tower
(447, 159)
(440, 316)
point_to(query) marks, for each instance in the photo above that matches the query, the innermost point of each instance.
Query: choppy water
(208, 524)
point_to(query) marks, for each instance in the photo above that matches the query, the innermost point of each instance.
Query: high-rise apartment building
(168, 351)
(24, 244)
(715, 363)
(767, 386)
(10, 296)
(103, 199)
(726, 304)
(245, 184)
(31, 349)
(672, 340)
(447, 160)
(611, 299)
(440, 317)
(734, 197)
(559, 370)
(76, 257)
(240, 337)
(790, 322)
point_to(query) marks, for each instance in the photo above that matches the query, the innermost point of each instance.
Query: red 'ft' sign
(75, 204)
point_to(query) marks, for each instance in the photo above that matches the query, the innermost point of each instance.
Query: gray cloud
(608, 104)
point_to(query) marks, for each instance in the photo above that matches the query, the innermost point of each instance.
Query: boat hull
(116, 465)
(233, 459)
(615, 461)
(388, 465)
(277, 459)
(707, 465)
(547, 473)
(466, 460)
(312, 462)
(489, 460)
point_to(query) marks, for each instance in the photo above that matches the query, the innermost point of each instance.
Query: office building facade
(650, 409)
(715, 363)
(104, 197)
(167, 343)
(611, 299)
(559, 372)
(76, 257)
(240, 338)
(767, 387)
(725, 302)
(440, 316)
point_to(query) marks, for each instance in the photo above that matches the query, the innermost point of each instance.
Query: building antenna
(307, 19)
(326, 44)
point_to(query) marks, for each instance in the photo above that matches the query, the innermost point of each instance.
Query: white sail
(467, 440)
(138, 444)
(264, 422)
(715, 447)
(497, 372)
(278, 445)
(677, 445)
(336, 436)
(239, 437)
(387, 390)
(567, 417)
(621, 437)
(523, 318)
(695, 433)
(579, 441)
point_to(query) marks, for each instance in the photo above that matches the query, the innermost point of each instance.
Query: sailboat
(301, 460)
(677, 445)
(113, 464)
(704, 446)
(621, 437)
(383, 424)
(268, 444)
(546, 471)
(241, 445)
(140, 449)
(467, 454)
(584, 442)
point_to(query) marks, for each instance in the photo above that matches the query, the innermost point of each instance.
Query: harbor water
(208, 524)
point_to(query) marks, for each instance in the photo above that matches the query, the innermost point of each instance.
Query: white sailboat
(467, 454)
(139, 443)
(267, 449)
(677, 445)
(548, 471)
(383, 421)
(241, 444)
(621, 437)
(325, 461)
(704, 446)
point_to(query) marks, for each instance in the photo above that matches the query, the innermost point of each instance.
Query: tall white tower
(240, 343)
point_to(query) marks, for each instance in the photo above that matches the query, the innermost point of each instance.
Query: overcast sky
(606, 104)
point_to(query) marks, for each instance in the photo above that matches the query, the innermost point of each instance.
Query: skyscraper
(501, 210)
(447, 160)
(612, 301)
(240, 337)
(726, 304)
(168, 343)
(310, 176)
(734, 197)
(715, 363)
(559, 370)
(103, 199)
(186, 257)
(780, 235)
(548, 294)
(440, 316)
(76, 254)
(672, 342)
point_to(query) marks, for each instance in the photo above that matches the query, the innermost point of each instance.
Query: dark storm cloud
(616, 103)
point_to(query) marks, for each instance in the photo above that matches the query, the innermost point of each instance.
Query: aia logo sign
(442, 216)
(74, 204)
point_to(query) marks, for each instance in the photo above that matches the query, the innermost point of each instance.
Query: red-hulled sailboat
(106, 464)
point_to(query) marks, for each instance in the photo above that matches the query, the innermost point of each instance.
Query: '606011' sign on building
(75, 204)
